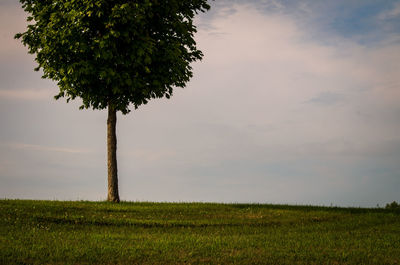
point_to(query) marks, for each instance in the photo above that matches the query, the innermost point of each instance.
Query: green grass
(56, 232)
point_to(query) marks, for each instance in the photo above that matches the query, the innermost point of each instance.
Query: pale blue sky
(294, 102)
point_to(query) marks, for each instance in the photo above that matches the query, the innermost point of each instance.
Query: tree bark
(113, 195)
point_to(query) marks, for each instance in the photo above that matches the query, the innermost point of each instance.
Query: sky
(294, 102)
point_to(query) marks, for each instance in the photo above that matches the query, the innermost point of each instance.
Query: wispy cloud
(26, 94)
(327, 98)
(43, 148)
(392, 13)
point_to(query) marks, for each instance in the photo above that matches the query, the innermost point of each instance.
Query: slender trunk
(112, 156)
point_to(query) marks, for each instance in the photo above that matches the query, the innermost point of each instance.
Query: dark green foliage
(51, 232)
(394, 205)
(114, 52)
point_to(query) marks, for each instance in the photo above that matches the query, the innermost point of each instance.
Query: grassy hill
(56, 232)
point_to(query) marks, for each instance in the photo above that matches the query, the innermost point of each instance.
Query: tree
(393, 205)
(113, 53)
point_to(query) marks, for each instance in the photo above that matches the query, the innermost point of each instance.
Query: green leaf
(138, 49)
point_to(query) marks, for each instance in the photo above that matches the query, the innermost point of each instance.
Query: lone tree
(113, 53)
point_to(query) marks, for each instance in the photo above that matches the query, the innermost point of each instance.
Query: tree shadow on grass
(308, 208)
(148, 224)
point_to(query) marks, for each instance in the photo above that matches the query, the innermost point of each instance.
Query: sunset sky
(295, 102)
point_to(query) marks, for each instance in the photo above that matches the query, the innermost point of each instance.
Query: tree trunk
(112, 156)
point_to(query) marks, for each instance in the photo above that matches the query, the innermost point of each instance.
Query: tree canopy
(113, 52)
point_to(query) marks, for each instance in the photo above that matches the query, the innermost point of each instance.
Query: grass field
(55, 232)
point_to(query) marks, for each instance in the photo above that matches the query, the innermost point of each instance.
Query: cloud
(257, 73)
(392, 13)
(16, 65)
(327, 98)
(12, 21)
(26, 94)
(271, 61)
(42, 148)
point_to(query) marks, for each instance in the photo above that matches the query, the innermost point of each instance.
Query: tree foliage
(393, 205)
(113, 52)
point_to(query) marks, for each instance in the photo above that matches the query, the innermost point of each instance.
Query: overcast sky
(294, 102)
